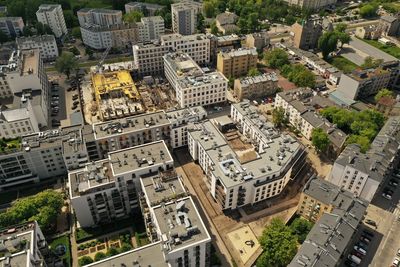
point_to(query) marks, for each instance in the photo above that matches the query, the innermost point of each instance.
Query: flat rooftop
(150, 255)
(29, 61)
(247, 81)
(182, 64)
(162, 187)
(240, 52)
(180, 223)
(90, 179)
(130, 124)
(138, 157)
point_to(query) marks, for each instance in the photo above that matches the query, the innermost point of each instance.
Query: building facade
(184, 17)
(52, 15)
(45, 43)
(12, 26)
(193, 86)
(259, 40)
(151, 28)
(238, 62)
(147, 9)
(311, 4)
(306, 34)
(256, 87)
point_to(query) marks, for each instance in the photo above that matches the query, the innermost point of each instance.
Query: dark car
(368, 233)
(75, 103)
(370, 222)
(388, 191)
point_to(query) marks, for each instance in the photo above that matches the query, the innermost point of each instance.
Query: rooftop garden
(8, 144)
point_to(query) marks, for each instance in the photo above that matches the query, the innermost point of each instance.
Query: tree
(99, 256)
(74, 51)
(279, 245)
(89, 52)
(383, 92)
(276, 58)
(299, 75)
(279, 117)
(70, 19)
(3, 37)
(85, 260)
(112, 251)
(209, 9)
(125, 247)
(133, 16)
(66, 63)
(341, 27)
(344, 38)
(320, 139)
(368, 11)
(200, 23)
(253, 24)
(362, 141)
(370, 62)
(327, 43)
(214, 28)
(76, 32)
(27, 31)
(253, 72)
(301, 227)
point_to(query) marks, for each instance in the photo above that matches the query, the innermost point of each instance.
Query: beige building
(306, 34)
(368, 32)
(237, 62)
(258, 40)
(256, 87)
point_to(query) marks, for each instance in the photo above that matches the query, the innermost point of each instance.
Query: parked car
(365, 239)
(362, 245)
(396, 262)
(370, 222)
(354, 259)
(75, 103)
(387, 196)
(75, 97)
(74, 107)
(388, 190)
(55, 124)
(393, 182)
(368, 233)
(361, 250)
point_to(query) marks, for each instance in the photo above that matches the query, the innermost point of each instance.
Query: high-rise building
(306, 34)
(151, 28)
(12, 26)
(52, 15)
(184, 17)
(99, 17)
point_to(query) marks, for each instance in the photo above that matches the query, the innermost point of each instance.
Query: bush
(99, 256)
(85, 260)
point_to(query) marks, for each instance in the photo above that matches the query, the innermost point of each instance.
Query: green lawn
(65, 241)
(390, 49)
(343, 64)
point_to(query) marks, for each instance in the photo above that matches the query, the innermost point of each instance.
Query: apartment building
(256, 87)
(181, 120)
(150, 28)
(234, 178)
(389, 25)
(371, 32)
(364, 83)
(301, 108)
(23, 245)
(332, 237)
(52, 15)
(362, 174)
(259, 40)
(222, 43)
(148, 57)
(25, 85)
(147, 9)
(320, 196)
(12, 26)
(193, 86)
(184, 16)
(311, 4)
(306, 34)
(42, 155)
(236, 63)
(99, 16)
(45, 43)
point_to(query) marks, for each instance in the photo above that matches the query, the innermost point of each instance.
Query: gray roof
(388, 18)
(226, 18)
(36, 39)
(312, 118)
(330, 236)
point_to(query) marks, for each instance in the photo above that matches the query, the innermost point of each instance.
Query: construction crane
(103, 57)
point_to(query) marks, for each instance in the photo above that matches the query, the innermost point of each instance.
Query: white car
(387, 196)
(396, 262)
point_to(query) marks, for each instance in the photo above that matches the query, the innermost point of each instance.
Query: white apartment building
(193, 86)
(237, 178)
(311, 4)
(52, 15)
(108, 189)
(12, 26)
(181, 120)
(45, 43)
(42, 155)
(150, 28)
(363, 173)
(99, 16)
(148, 9)
(23, 245)
(114, 182)
(184, 17)
(148, 56)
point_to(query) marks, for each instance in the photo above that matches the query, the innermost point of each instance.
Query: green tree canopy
(42, 207)
(327, 43)
(279, 117)
(370, 62)
(99, 256)
(301, 228)
(66, 63)
(299, 75)
(85, 260)
(276, 58)
(383, 92)
(133, 16)
(253, 72)
(279, 245)
(112, 251)
(214, 28)
(362, 141)
(320, 139)
(76, 32)
(341, 27)
(368, 10)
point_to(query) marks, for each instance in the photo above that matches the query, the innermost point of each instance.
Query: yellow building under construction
(116, 94)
